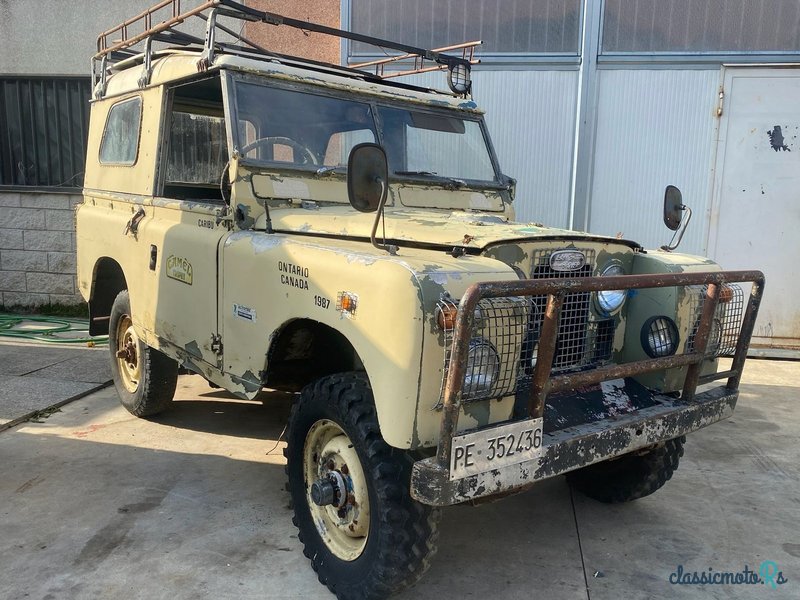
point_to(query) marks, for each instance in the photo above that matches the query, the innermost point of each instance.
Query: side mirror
(673, 207)
(367, 177)
(673, 216)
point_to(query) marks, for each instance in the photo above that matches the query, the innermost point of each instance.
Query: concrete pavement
(97, 504)
(38, 376)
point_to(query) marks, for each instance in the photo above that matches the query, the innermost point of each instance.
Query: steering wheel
(300, 151)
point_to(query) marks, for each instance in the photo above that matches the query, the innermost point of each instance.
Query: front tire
(631, 476)
(367, 538)
(144, 377)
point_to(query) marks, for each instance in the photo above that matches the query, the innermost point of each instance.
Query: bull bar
(579, 446)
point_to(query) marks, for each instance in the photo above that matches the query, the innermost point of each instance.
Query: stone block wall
(37, 249)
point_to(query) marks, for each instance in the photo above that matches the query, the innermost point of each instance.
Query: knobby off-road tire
(631, 476)
(144, 377)
(382, 541)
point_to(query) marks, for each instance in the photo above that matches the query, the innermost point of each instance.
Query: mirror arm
(672, 243)
(390, 248)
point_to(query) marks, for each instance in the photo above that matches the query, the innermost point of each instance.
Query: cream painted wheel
(128, 354)
(329, 456)
(144, 377)
(365, 536)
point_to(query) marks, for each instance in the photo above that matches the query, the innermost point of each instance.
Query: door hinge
(216, 343)
(721, 102)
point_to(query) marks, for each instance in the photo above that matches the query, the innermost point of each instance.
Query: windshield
(316, 132)
(430, 144)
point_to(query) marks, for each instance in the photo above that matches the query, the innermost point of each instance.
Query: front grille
(581, 341)
(512, 327)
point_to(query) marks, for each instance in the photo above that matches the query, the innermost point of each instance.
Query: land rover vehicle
(269, 221)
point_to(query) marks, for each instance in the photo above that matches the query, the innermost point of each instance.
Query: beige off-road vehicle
(268, 221)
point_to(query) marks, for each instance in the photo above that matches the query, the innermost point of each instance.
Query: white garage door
(755, 219)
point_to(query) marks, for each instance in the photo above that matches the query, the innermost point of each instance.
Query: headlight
(660, 337)
(610, 300)
(483, 366)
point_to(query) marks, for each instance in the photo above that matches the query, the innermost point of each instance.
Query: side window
(120, 143)
(198, 149)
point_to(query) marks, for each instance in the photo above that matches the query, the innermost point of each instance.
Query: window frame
(707, 57)
(100, 160)
(374, 102)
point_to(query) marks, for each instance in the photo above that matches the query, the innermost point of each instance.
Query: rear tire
(631, 476)
(144, 377)
(381, 541)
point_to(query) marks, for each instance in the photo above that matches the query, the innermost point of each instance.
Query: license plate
(494, 448)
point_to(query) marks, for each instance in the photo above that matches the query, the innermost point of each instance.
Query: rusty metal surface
(701, 341)
(547, 351)
(146, 17)
(557, 288)
(576, 447)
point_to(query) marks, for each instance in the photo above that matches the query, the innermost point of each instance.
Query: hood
(447, 229)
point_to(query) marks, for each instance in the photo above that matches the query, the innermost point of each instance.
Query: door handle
(132, 225)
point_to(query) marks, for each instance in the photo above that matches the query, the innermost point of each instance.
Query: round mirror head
(367, 177)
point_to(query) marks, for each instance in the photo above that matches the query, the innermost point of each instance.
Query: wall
(287, 40)
(37, 231)
(64, 37)
(37, 249)
(654, 128)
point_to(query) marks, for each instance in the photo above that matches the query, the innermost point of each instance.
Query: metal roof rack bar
(150, 25)
(467, 54)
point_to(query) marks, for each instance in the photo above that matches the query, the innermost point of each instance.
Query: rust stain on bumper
(577, 447)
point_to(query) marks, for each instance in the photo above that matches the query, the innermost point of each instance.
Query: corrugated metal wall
(654, 128)
(531, 117)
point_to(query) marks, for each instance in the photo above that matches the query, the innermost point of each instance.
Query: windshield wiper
(325, 170)
(452, 182)
(427, 173)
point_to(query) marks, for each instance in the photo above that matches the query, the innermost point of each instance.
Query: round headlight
(482, 369)
(660, 337)
(610, 300)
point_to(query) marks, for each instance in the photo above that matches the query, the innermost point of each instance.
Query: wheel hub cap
(338, 498)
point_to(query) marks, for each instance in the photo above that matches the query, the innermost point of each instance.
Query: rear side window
(121, 137)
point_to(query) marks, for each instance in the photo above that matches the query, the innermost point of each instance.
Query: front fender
(271, 279)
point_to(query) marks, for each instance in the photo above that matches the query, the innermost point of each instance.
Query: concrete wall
(37, 249)
(64, 36)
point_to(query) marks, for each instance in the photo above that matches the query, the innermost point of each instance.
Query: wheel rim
(128, 354)
(328, 452)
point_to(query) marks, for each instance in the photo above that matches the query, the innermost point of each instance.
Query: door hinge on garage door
(721, 101)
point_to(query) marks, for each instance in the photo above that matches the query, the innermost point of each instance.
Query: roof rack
(117, 44)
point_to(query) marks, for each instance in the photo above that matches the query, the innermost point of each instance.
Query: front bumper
(576, 447)
(579, 445)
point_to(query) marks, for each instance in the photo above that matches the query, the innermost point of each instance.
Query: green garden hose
(54, 330)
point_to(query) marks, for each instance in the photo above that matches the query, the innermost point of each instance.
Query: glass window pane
(197, 149)
(43, 124)
(508, 26)
(695, 26)
(427, 144)
(301, 129)
(121, 136)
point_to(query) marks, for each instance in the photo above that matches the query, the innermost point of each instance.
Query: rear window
(120, 143)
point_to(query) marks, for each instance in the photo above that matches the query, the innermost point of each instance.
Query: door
(755, 215)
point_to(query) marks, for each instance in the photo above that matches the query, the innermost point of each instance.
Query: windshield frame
(374, 102)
